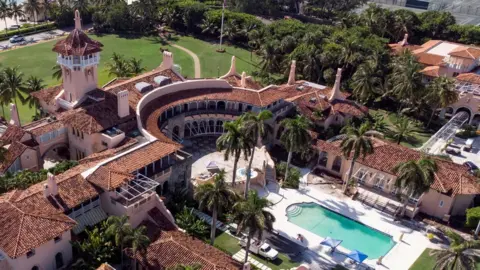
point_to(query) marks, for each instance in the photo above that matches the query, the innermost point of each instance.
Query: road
(36, 37)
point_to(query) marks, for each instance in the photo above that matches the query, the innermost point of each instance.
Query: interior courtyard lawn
(426, 261)
(38, 59)
(229, 244)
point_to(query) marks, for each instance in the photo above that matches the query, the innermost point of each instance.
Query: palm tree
(440, 94)
(215, 197)
(456, 256)
(138, 240)
(57, 72)
(406, 78)
(5, 12)
(81, 5)
(135, 66)
(33, 84)
(120, 229)
(118, 66)
(356, 143)
(403, 128)
(234, 142)
(16, 11)
(13, 84)
(33, 7)
(252, 218)
(295, 138)
(3, 152)
(256, 128)
(365, 82)
(5, 97)
(414, 178)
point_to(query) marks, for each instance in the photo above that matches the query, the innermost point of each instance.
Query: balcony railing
(78, 62)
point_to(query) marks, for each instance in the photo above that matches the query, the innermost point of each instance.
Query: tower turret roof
(77, 43)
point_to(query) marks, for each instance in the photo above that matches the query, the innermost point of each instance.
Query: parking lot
(464, 156)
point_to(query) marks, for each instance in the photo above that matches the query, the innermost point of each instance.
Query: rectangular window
(440, 204)
(31, 253)
(57, 239)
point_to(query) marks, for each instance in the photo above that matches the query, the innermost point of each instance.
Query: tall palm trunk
(431, 116)
(247, 248)
(288, 165)
(6, 30)
(15, 101)
(237, 158)
(399, 139)
(3, 111)
(350, 172)
(121, 254)
(214, 225)
(249, 168)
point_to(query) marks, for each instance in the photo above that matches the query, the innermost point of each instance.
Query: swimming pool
(355, 235)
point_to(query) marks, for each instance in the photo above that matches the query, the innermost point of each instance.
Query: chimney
(291, 77)
(336, 94)
(405, 40)
(167, 62)
(14, 119)
(243, 82)
(46, 192)
(78, 20)
(122, 104)
(52, 184)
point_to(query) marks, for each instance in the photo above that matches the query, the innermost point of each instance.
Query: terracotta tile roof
(469, 77)
(450, 177)
(24, 228)
(235, 81)
(48, 94)
(15, 150)
(429, 59)
(349, 108)
(105, 266)
(397, 48)
(77, 43)
(118, 171)
(43, 126)
(13, 133)
(171, 247)
(466, 52)
(431, 71)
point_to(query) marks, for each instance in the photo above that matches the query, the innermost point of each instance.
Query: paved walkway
(240, 256)
(196, 60)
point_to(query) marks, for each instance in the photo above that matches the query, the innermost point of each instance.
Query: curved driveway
(196, 60)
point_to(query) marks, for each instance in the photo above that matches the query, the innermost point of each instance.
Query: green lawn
(426, 261)
(230, 245)
(418, 140)
(38, 59)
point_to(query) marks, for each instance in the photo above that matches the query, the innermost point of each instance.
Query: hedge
(37, 29)
(473, 217)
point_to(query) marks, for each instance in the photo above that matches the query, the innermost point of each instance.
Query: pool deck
(401, 256)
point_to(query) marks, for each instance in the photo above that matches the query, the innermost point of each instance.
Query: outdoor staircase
(294, 211)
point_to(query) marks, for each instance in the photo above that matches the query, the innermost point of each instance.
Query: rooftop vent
(162, 80)
(300, 88)
(313, 100)
(143, 87)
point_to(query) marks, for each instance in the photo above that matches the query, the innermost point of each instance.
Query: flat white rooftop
(443, 49)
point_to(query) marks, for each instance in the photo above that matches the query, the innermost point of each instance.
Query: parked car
(468, 145)
(14, 27)
(260, 248)
(16, 39)
(453, 151)
(471, 166)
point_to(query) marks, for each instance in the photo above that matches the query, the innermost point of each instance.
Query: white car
(260, 248)
(16, 39)
(14, 27)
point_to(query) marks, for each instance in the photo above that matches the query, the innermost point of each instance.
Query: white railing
(79, 62)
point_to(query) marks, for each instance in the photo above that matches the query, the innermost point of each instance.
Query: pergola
(438, 140)
(135, 190)
(467, 87)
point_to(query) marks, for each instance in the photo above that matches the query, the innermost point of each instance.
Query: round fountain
(242, 173)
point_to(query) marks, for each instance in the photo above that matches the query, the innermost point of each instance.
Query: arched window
(186, 131)
(323, 158)
(337, 164)
(219, 128)
(59, 260)
(221, 105)
(176, 131)
(212, 105)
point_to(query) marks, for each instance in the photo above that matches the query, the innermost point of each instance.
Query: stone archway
(467, 110)
(60, 149)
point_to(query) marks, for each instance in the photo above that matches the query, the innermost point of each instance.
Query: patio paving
(401, 256)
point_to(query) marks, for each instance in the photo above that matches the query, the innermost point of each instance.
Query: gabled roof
(77, 43)
(450, 177)
(12, 134)
(469, 77)
(431, 71)
(14, 151)
(465, 52)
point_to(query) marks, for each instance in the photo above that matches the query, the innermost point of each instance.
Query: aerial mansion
(129, 137)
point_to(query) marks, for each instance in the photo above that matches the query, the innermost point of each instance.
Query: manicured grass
(38, 59)
(216, 64)
(426, 261)
(230, 244)
(418, 139)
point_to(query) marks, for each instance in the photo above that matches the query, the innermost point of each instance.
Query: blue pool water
(355, 235)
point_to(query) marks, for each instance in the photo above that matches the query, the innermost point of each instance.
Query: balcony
(136, 192)
(78, 61)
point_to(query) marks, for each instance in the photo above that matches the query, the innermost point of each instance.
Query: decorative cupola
(291, 76)
(404, 42)
(336, 94)
(14, 119)
(79, 56)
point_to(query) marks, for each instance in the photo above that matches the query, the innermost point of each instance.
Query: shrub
(293, 180)
(24, 31)
(467, 131)
(280, 169)
(473, 217)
